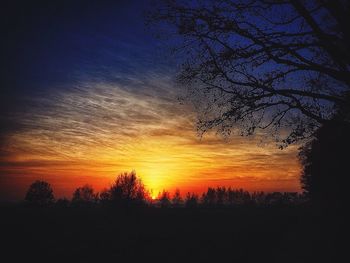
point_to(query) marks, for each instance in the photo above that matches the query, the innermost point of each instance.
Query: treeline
(228, 197)
(128, 190)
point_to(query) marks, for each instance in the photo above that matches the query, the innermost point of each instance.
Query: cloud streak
(99, 129)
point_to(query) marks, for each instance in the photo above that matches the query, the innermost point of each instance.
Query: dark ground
(97, 234)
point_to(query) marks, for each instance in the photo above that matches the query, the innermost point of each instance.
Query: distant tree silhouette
(177, 199)
(62, 203)
(261, 64)
(85, 195)
(128, 189)
(105, 196)
(221, 196)
(258, 198)
(40, 193)
(191, 200)
(164, 199)
(275, 198)
(325, 161)
(230, 197)
(241, 197)
(209, 198)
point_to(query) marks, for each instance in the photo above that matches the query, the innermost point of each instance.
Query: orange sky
(93, 131)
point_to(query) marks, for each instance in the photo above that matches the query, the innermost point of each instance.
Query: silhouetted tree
(221, 196)
(177, 199)
(40, 193)
(164, 199)
(275, 198)
(245, 196)
(258, 198)
(105, 196)
(262, 64)
(85, 195)
(209, 198)
(191, 200)
(62, 202)
(325, 161)
(128, 189)
(292, 198)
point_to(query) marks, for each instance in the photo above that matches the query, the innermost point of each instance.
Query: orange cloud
(94, 131)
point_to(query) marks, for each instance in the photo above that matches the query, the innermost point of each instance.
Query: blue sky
(88, 92)
(50, 45)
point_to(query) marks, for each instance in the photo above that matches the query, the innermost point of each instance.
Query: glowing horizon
(90, 133)
(91, 94)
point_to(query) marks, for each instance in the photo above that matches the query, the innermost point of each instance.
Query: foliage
(40, 193)
(85, 194)
(164, 199)
(127, 189)
(191, 200)
(105, 196)
(177, 200)
(62, 203)
(325, 161)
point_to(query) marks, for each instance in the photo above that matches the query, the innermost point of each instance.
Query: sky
(88, 92)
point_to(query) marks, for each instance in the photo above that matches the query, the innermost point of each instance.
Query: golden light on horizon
(91, 135)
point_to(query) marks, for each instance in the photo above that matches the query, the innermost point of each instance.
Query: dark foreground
(289, 234)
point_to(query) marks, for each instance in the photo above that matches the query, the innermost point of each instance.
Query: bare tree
(262, 64)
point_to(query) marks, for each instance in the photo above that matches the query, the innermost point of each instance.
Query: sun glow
(92, 135)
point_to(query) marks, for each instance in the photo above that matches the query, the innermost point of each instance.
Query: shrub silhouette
(40, 193)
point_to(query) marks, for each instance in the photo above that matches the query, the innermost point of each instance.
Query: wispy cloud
(98, 128)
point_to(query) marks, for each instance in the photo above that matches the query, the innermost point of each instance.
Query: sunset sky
(89, 93)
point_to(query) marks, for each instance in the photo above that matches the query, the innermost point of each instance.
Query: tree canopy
(85, 194)
(128, 188)
(277, 65)
(325, 164)
(40, 192)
